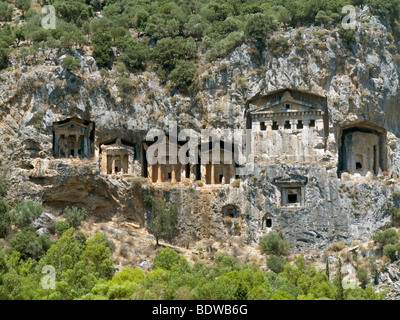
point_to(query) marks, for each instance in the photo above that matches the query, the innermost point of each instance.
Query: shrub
(29, 245)
(273, 244)
(183, 74)
(258, 26)
(389, 236)
(276, 264)
(61, 227)
(167, 258)
(3, 189)
(236, 183)
(391, 48)
(168, 51)
(337, 246)
(75, 216)
(6, 11)
(25, 213)
(395, 213)
(104, 73)
(5, 218)
(221, 48)
(391, 251)
(70, 64)
(278, 46)
(109, 244)
(396, 196)
(396, 59)
(347, 35)
(134, 55)
(363, 277)
(102, 48)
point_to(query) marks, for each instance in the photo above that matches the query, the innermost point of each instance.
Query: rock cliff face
(360, 81)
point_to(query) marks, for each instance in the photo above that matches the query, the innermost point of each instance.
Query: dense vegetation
(166, 36)
(84, 268)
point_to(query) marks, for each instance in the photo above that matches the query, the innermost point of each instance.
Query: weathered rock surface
(361, 83)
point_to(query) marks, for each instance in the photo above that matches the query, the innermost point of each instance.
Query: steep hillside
(151, 78)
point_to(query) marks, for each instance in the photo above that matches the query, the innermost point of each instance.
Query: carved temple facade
(117, 158)
(73, 137)
(288, 125)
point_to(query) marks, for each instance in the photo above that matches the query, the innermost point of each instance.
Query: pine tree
(339, 284)
(327, 267)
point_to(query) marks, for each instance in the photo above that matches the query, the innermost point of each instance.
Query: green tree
(118, 32)
(327, 268)
(4, 52)
(164, 219)
(168, 51)
(75, 11)
(276, 264)
(25, 213)
(61, 227)
(3, 189)
(19, 35)
(98, 257)
(102, 47)
(29, 245)
(168, 258)
(348, 36)
(183, 74)
(339, 282)
(273, 244)
(5, 218)
(6, 11)
(374, 271)
(134, 55)
(71, 64)
(389, 236)
(363, 277)
(258, 26)
(75, 216)
(391, 251)
(65, 253)
(24, 5)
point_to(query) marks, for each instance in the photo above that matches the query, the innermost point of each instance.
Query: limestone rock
(44, 220)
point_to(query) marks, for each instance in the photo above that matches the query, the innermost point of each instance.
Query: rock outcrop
(360, 81)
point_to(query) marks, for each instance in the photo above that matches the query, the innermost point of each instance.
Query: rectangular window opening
(300, 124)
(292, 198)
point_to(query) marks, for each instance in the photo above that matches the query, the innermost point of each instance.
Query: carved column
(159, 174)
(212, 174)
(76, 144)
(113, 166)
(173, 174)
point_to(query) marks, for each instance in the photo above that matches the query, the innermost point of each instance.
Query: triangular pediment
(74, 121)
(286, 100)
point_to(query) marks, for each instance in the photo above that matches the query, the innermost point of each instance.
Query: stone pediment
(292, 179)
(73, 120)
(116, 148)
(287, 100)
